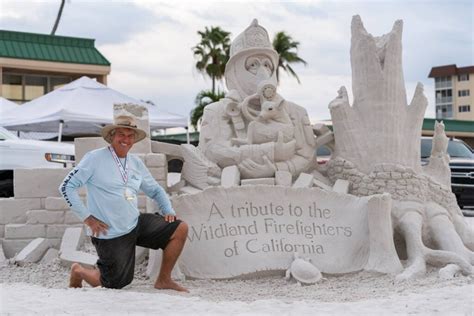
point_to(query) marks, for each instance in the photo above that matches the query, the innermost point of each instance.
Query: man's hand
(98, 227)
(170, 218)
(284, 151)
(251, 169)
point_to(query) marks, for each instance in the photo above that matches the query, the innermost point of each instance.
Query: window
(463, 77)
(443, 79)
(58, 82)
(444, 96)
(21, 88)
(443, 82)
(463, 93)
(444, 111)
(35, 86)
(464, 108)
(12, 87)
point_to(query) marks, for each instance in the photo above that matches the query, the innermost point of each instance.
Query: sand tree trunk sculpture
(377, 148)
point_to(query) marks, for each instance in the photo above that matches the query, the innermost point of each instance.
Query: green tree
(212, 53)
(204, 98)
(287, 49)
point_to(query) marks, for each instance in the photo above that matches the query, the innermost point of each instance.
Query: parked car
(323, 154)
(16, 153)
(461, 163)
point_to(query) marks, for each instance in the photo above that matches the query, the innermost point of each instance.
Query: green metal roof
(450, 125)
(50, 48)
(177, 138)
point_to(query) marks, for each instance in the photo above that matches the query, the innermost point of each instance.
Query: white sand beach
(42, 289)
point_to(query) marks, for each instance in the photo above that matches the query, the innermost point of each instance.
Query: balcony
(440, 100)
(443, 84)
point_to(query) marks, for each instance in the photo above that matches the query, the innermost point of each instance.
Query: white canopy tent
(6, 106)
(80, 107)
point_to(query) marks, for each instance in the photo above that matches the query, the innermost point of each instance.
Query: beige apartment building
(32, 65)
(454, 92)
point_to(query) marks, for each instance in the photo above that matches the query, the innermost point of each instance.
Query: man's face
(123, 140)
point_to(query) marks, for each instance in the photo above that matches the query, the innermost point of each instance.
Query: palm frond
(203, 98)
(287, 49)
(212, 52)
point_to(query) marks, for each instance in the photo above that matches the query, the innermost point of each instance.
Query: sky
(149, 43)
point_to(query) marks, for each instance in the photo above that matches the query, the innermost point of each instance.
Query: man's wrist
(89, 218)
(86, 217)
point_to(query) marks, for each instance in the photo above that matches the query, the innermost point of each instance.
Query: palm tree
(212, 53)
(203, 98)
(284, 45)
(58, 17)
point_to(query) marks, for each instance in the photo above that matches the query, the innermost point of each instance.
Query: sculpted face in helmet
(259, 65)
(252, 61)
(249, 71)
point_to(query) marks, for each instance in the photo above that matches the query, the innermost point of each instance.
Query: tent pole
(187, 132)
(60, 132)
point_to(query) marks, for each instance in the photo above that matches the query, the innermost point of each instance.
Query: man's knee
(76, 269)
(181, 231)
(183, 228)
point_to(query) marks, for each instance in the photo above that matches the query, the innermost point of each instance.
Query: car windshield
(456, 149)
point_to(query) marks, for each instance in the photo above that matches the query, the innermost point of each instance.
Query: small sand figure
(272, 120)
(440, 141)
(303, 271)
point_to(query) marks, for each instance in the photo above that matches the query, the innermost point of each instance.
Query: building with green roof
(34, 64)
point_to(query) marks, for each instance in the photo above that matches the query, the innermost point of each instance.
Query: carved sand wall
(257, 229)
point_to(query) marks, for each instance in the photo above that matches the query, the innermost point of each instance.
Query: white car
(17, 153)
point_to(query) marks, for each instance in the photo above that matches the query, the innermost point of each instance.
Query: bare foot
(170, 285)
(75, 280)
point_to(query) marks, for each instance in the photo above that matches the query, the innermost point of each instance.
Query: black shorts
(117, 255)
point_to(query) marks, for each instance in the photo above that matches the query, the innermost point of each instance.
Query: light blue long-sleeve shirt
(106, 200)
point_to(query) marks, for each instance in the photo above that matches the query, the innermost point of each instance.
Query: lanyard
(122, 168)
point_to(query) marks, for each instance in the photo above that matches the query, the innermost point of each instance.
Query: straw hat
(123, 121)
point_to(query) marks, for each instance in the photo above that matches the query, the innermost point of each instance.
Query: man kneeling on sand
(113, 178)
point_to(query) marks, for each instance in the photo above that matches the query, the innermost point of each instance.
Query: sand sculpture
(281, 142)
(377, 148)
(254, 134)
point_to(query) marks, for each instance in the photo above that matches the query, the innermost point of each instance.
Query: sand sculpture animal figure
(440, 141)
(303, 271)
(438, 166)
(377, 149)
(272, 122)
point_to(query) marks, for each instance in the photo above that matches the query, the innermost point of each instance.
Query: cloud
(107, 22)
(149, 42)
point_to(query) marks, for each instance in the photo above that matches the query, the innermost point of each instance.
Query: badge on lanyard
(128, 193)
